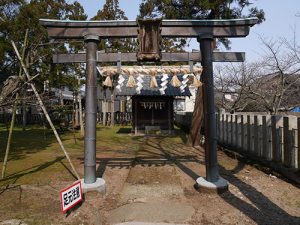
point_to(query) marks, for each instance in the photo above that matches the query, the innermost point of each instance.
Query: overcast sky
(282, 20)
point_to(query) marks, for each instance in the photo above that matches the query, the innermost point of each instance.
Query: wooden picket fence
(264, 137)
(30, 118)
(121, 118)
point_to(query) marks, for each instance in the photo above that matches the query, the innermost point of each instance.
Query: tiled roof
(146, 90)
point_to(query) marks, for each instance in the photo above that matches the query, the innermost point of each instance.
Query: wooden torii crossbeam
(166, 57)
(204, 30)
(129, 28)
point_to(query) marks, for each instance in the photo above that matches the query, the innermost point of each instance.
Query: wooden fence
(264, 137)
(271, 138)
(30, 118)
(122, 118)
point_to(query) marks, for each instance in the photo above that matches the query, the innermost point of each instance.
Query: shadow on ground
(261, 209)
(153, 151)
(25, 142)
(15, 176)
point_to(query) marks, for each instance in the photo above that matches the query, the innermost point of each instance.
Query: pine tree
(19, 15)
(112, 11)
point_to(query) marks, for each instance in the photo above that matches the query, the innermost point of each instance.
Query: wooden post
(227, 130)
(298, 125)
(12, 123)
(237, 133)
(269, 136)
(231, 130)
(112, 116)
(104, 111)
(259, 136)
(248, 134)
(275, 147)
(280, 143)
(264, 137)
(286, 143)
(255, 137)
(242, 132)
(293, 145)
(223, 128)
(220, 128)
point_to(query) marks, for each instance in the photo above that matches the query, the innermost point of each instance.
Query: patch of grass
(36, 157)
(112, 138)
(34, 139)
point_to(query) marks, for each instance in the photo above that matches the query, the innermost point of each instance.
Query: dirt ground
(148, 179)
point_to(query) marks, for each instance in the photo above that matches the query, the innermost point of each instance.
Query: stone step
(152, 212)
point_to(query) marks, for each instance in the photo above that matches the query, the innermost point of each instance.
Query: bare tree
(282, 65)
(233, 82)
(272, 84)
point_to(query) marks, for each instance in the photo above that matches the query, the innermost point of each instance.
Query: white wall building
(186, 104)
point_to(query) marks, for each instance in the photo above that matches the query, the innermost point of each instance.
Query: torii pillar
(90, 181)
(213, 181)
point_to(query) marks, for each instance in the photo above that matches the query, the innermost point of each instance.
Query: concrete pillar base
(220, 186)
(99, 186)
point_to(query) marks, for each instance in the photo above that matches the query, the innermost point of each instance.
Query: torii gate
(204, 30)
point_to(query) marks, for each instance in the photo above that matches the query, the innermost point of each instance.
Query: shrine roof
(147, 91)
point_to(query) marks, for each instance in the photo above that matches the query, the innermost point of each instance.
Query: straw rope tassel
(107, 82)
(153, 83)
(196, 82)
(131, 82)
(175, 81)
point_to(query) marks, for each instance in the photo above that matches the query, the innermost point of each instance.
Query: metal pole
(211, 162)
(90, 110)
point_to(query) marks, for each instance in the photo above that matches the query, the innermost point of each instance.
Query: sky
(282, 21)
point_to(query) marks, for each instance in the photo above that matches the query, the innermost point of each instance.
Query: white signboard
(70, 196)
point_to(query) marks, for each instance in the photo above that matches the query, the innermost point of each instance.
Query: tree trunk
(197, 120)
(61, 98)
(23, 90)
(76, 110)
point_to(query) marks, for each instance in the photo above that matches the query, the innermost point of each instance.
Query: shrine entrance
(152, 113)
(149, 33)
